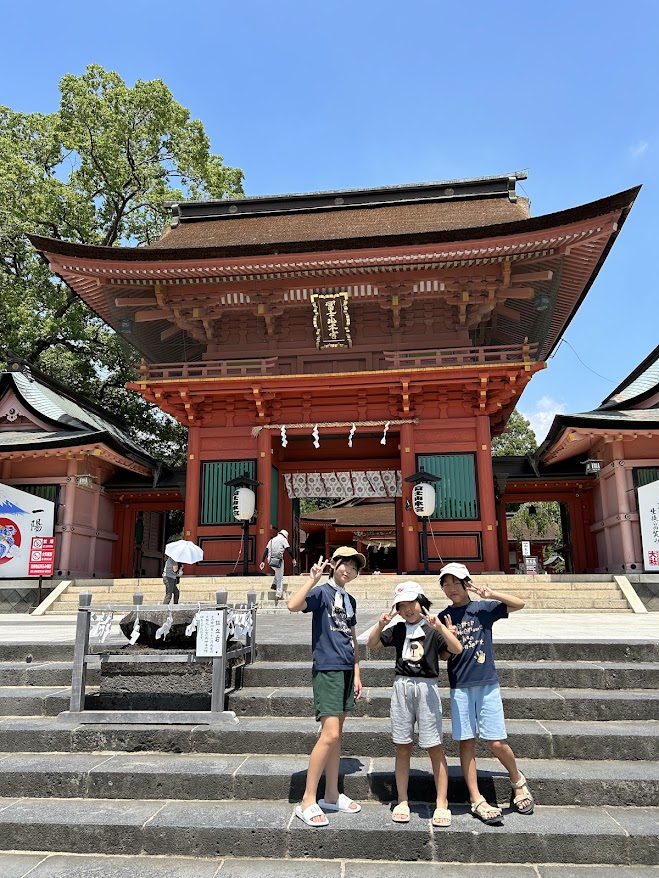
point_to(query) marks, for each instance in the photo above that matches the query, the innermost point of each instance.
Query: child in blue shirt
(335, 673)
(476, 706)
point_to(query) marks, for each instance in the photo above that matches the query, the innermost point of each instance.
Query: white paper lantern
(244, 504)
(423, 499)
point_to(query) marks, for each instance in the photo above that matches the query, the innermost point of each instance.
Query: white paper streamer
(383, 441)
(135, 633)
(316, 439)
(101, 625)
(166, 627)
(284, 438)
(352, 433)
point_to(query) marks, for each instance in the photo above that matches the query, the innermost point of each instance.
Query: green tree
(518, 438)
(536, 520)
(100, 170)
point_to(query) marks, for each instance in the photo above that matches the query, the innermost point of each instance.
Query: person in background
(274, 552)
(171, 576)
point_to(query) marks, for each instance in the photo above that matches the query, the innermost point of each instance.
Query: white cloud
(542, 415)
(638, 149)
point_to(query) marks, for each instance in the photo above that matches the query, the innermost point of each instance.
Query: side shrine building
(334, 344)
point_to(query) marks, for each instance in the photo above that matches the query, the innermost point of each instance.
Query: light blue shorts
(477, 712)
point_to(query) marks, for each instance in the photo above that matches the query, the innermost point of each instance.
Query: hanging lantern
(244, 504)
(423, 499)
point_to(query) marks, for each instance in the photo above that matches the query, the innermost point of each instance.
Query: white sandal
(521, 797)
(312, 811)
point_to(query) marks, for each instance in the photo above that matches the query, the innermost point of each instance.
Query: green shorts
(333, 692)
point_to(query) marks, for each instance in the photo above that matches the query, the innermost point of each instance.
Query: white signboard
(22, 517)
(526, 548)
(210, 633)
(648, 513)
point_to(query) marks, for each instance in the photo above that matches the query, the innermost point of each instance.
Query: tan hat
(284, 533)
(456, 569)
(407, 591)
(349, 552)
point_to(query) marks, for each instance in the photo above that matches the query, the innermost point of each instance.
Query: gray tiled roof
(638, 384)
(68, 413)
(18, 438)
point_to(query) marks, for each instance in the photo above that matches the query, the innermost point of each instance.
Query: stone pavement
(91, 866)
(283, 627)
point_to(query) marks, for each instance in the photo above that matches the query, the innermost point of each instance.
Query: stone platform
(580, 694)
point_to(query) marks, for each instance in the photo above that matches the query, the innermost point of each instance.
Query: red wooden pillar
(486, 493)
(193, 485)
(263, 475)
(409, 558)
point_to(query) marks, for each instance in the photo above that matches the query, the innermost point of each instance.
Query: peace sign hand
(386, 618)
(318, 568)
(481, 590)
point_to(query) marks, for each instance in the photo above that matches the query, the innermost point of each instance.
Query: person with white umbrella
(176, 555)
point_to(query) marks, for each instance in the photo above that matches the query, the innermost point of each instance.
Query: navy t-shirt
(331, 637)
(475, 664)
(424, 652)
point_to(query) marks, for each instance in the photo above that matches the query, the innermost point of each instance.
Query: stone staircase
(583, 719)
(557, 593)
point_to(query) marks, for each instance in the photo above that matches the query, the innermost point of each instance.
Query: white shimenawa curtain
(369, 483)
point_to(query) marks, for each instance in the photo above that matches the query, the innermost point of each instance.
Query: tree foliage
(100, 170)
(537, 520)
(518, 438)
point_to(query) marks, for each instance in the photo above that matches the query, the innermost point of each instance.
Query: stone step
(212, 777)
(562, 704)
(35, 865)
(69, 603)
(548, 674)
(538, 704)
(538, 650)
(529, 674)
(599, 835)
(530, 739)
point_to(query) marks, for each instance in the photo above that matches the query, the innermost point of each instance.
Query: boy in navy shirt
(476, 707)
(336, 680)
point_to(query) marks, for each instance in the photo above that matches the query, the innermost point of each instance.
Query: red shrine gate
(427, 308)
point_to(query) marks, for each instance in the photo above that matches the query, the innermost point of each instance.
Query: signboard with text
(648, 513)
(42, 557)
(210, 633)
(23, 516)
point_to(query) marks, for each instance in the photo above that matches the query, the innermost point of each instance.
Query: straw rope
(392, 423)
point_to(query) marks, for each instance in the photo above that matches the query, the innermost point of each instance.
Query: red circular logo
(10, 539)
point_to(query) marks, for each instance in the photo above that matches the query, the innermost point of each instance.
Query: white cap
(458, 570)
(407, 591)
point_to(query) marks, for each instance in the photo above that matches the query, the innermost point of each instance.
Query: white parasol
(184, 552)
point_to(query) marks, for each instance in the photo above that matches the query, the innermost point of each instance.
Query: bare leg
(440, 772)
(332, 766)
(402, 769)
(468, 763)
(506, 757)
(327, 748)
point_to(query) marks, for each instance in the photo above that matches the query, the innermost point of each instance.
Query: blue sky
(307, 96)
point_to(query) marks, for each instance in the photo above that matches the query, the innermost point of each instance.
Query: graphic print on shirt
(339, 621)
(470, 634)
(416, 651)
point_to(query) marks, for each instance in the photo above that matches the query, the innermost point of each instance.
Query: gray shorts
(415, 700)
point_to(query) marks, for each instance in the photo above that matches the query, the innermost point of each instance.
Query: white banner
(648, 513)
(22, 517)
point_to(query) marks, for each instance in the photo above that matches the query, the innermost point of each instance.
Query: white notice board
(210, 633)
(648, 513)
